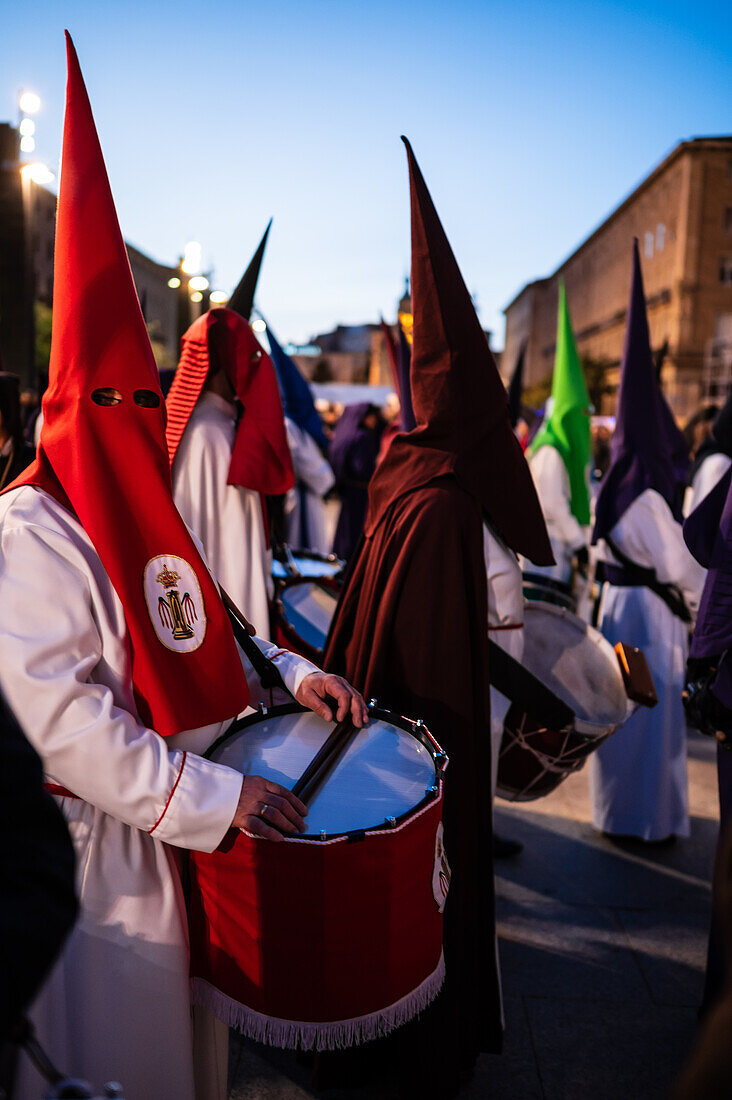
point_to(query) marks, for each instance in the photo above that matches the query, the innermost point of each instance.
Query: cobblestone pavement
(602, 954)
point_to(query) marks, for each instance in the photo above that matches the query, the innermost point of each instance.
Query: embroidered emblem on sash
(175, 603)
(440, 870)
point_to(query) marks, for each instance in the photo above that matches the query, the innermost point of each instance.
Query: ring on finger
(263, 811)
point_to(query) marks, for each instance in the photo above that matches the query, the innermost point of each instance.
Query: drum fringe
(295, 1034)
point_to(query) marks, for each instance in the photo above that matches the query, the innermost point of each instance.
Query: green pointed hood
(568, 426)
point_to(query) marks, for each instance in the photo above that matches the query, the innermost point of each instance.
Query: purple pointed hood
(643, 447)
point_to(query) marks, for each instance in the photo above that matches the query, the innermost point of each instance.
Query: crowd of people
(130, 523)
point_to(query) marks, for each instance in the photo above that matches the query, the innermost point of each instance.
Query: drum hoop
(312, 555)
(295, 582)
(298, 643)
(538, 580)
(415, 729)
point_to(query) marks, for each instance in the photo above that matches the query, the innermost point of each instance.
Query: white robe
(226, 518)
(711, 471)
(315, 478)
(638, 777)
(117, 1004)
(505, 624)
(566, 533)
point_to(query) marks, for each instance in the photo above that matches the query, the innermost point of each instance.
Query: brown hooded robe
(411, 627)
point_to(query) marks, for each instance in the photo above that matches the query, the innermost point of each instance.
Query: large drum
(579, 666)
(334, 937)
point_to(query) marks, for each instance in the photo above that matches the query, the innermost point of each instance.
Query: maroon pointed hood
(459, 400)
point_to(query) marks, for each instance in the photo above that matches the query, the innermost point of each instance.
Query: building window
(725, 270)
(728, 219)
(648, 246)
(660, 236)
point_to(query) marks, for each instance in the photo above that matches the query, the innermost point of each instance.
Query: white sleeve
(711, 471)
(552, 486)
(309, 464)
(50, 646)
(650, 536)
(291, 666)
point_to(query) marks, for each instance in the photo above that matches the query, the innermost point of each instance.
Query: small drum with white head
(577, 664)
(333, 937)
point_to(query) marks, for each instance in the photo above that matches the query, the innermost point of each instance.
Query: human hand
(317, 686)
(269, 810)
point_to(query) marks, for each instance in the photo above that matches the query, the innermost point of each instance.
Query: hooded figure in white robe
(228, 451)
(638, 777)
(114, 641)
(559, 455)
(305, 511)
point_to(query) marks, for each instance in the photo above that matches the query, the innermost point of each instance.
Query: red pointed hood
(102, 451)
(459, 400)
(260, 457)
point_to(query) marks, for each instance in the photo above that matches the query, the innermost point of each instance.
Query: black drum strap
(513, 680)
(265, 669)
(638, 576)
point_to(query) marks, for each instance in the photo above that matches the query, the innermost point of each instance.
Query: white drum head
(385, 772)
(576, 662)
(308, 610)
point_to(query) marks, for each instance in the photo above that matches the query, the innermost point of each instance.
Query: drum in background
(306, 563)
(537, 587)
(334, 937)
(581, 667)
(307, 586)
(301, 614)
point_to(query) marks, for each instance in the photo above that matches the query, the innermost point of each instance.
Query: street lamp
(191, 263)
(29, 103)
(37, 173)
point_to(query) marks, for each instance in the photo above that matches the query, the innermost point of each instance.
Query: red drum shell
(322, 943)
(340, 934)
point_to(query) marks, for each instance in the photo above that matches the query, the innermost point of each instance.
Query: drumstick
(324, 761)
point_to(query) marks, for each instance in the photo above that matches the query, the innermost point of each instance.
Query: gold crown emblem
(167, 577)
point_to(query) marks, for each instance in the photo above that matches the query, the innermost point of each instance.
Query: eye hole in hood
(146, 399)
(106, 396)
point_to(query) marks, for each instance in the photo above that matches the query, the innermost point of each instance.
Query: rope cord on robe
(631, 575)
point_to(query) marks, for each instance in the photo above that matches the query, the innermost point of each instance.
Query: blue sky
(530, 121)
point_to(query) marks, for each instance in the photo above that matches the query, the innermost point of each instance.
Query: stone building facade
(682, 216)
